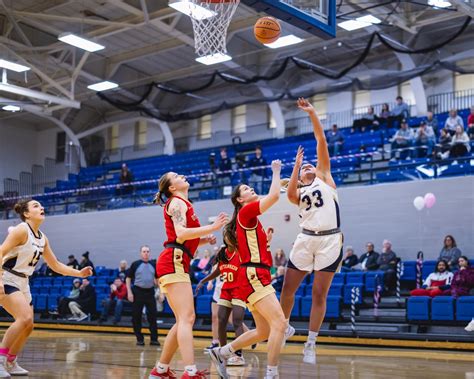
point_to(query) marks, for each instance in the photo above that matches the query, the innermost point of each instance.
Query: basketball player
(245, 234)
(184, 235)
(318, 247)
(19, 254)
(229, 301)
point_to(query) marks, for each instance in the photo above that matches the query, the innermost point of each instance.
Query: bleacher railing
(443, 102)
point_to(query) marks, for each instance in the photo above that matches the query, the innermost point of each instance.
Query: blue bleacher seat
(44, 290)
(370, 280)
(41, 302)
(34, 290)
(52, 302)
(409, 270)
(305, 306)
(442, 308)
(465, 308)
(55, 291)
(356, 278)
(428, 268)
(296, 311)
(339, 278)
(336, 289)
(47, 281)
(301, 290)
(67, 281)
(102, 281)
(203, 305)
(58, 282)
(166, 308)
(348, 293)
(333, 307)
(418, 308)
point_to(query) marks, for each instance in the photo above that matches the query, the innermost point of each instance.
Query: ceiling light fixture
(103, 86)
(288, 40)
(359, 22)
(11, 108)
(439, 3)
(13, 66)
(214, 58)
(191, 9)
(80, 42)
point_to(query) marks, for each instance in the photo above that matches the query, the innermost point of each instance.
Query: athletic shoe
(155, 343)
(219, 361)
(289, 332)
(73, 318)
(254, 346)
(235, 360)
(170, 374)
(210, 347)
(199, 375)
(3, 367)
(15, 369)
(309, 353)
(82, 318)
(140, 343)
(470, 327)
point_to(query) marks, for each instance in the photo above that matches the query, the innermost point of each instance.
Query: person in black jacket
(368, 261)
(350, 260)
(86, 262)
(85, 304)
(72, 261)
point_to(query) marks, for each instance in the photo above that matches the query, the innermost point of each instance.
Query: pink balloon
(430, 200)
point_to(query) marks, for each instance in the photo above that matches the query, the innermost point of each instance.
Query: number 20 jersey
(24, 258)
(229, 270)
(319, 207)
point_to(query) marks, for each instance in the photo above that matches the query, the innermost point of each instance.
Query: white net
(211, 19)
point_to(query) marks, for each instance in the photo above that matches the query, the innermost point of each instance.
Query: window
(205, 130)
(140, 134)
(320, 105)
(406, 92)
(463, 82)
(113, 138)
(361, 101)
(271, 120)
(239, 122)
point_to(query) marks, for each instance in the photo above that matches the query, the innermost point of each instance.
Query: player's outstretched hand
(305, 105)
(299, 156)
(276, 166)
(85, 272)
(220, 221)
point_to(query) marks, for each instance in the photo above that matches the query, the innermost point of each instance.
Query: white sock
(191, 370)
(215, 342)
(272, 371)
(312, 336)
(227, 351)
(162, 368)
(287, 320)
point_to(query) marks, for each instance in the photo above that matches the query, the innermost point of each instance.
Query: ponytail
(229, 230)
(163, 190)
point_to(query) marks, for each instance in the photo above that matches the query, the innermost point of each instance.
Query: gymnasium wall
(368, 213)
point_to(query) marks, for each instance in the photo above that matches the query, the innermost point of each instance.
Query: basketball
(267, 30)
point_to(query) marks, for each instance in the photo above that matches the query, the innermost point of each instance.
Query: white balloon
(419, 203)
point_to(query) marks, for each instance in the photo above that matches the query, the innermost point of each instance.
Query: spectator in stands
(444, 144)
(225, 168)
(277, 278)
(258, 174)
(122, 270)
(72, 261)
(335, 141)
(368, 260)
(350, 259)
(460, 145)
(84, 305)
(85, 262)
(126, 176)
(424, 137)
(470, 124)
(463, 280)
(450, 252)
(280, 259)
(142, 275)
(368, 121)
(436, 282)
(63, 303)
(385, 115)
(118, 295)
(402, 139)
(202, 266)
(433, 122)
(400, 111)
(452, 121)
(387, 262)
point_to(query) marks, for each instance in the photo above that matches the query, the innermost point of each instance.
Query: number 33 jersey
(319, 207)
(24, 258)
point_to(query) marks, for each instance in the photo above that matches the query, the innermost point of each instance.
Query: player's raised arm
(274, 192)
(292, 191)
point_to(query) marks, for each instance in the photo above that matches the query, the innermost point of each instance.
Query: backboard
(314, 16)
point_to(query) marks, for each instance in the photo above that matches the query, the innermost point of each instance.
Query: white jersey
(23, 259)
(319, 207)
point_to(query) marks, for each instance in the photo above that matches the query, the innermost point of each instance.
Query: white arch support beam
(167, 135)
(277, 113)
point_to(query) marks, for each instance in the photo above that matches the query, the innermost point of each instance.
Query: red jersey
(229, 270)
(251, 237)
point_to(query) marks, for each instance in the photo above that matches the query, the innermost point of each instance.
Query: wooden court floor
(73, 355)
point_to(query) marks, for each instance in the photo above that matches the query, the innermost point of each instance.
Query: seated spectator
(402, 139)
(436, 282)
(72, 261)
(400, 111)
(126, 177)
(122, 270)
(387, 262)
(335, 141)
(277, 279)
(118, 295)
(202, 266)
(258, 174)
(350, 260)
(385, 115)
(84, 305)
(368, 121)
(425, 140)
(444, 144)
(85, 262)
(460, 145)
(368, 260)
(463, 280)
(470, 124)
(450, 252)
(433, 122)
(280, 259)
(225, 168)
(63, 303)
(452, 121)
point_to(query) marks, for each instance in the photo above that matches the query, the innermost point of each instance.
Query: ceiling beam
(464, 7)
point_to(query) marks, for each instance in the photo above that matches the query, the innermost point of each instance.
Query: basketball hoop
(211, 19)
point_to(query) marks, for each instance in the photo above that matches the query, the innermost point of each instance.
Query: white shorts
(317, 253)
(13, 283)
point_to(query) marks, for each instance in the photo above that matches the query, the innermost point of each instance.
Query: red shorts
(254, 285)
(172, 267)
(230, 297)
